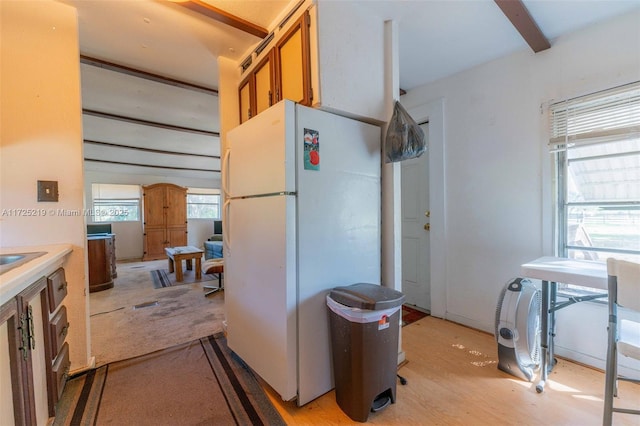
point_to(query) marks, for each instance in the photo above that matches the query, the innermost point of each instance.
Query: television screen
(217, 227)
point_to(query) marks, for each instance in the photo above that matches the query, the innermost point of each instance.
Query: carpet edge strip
(78, 412)
(220, 385)
(253, 415)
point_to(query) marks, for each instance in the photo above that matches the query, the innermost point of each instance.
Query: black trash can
(365, 321)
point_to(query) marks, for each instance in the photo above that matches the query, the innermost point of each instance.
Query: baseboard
(468, 322)
(91, 364)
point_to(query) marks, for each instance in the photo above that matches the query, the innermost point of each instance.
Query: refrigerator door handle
(226, 208)
(225, 173)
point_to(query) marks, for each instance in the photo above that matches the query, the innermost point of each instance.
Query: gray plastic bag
(405, 138)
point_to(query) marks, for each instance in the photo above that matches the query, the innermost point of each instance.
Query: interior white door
(416, 284)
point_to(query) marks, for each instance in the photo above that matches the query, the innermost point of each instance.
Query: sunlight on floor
(521, 383)
(483, 363)
(559, 387)
(589, 398)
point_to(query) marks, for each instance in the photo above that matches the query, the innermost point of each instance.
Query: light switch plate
(48, 190)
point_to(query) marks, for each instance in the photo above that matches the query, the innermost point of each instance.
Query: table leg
(553, 294)
(198, 268)
(189, 265)
(544, 344)
(179, 276)
(170, 264)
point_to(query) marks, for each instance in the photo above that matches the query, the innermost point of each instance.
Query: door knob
(427, 226)
(427, 213)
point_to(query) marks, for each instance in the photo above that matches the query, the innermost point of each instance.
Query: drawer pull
(64, 330)
(63, 285)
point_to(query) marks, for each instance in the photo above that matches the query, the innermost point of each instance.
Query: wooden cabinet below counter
(34, 354)
(101, 254)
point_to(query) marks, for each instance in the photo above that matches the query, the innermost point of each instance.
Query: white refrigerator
(297, 224)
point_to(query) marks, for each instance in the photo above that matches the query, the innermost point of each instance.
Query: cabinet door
(154, 206)
(263, 79)
(176, 203)
(293, 63)
(177, 237)
(155, 241)
(14, 401)
(34, 350)
(245, 99)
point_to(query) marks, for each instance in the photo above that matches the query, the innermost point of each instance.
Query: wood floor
(453, 379)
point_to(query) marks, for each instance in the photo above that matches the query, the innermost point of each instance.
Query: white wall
(350, 62)
(199, 231)
(129, 235)
(41, 139)
(497, 171)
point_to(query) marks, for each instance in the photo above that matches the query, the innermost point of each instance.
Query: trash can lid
(367, 296)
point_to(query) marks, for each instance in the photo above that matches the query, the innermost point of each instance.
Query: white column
(391, 224)
(391, 202)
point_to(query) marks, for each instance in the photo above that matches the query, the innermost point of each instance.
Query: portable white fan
(518, 328)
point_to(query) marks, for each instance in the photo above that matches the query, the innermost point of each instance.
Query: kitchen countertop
(17, 279)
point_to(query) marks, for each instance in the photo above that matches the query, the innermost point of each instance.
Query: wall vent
(246, 64)
(263, 44)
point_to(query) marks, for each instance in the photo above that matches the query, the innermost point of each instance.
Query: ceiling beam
(148, 123)
(519, 16)
(155, 151)
(226, 18)
(123, 163)
(87, 60)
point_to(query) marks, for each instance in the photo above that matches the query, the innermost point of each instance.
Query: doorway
(416, 283)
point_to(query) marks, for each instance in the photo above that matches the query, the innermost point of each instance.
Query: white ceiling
(437, 38)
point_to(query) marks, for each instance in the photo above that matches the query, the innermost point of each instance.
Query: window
(115, 203)
(203, 203)
(596, 142)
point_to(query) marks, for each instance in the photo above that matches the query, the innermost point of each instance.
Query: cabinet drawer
(59, 327)
(60, 371)
(57, 288)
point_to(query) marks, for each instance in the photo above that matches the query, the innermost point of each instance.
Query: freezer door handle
(226, 208)
(225, 173)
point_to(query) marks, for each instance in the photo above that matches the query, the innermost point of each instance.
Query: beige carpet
(196, 383)
(133, 318)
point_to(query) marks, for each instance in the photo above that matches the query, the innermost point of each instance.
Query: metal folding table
(551, 271)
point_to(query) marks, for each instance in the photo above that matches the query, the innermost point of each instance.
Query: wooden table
(176, 255)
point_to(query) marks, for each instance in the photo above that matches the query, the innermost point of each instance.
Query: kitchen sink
(8, 261)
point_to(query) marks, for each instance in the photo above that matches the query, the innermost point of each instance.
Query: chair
(624, 335)
(213, 266)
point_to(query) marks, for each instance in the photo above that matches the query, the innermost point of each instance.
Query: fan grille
(534, 328)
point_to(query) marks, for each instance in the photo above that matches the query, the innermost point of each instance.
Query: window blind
(103, 191)
(605, 116)
(203, 191)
